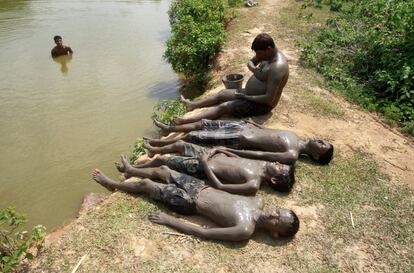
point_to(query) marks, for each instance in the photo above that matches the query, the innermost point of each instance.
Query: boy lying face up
(238, 216)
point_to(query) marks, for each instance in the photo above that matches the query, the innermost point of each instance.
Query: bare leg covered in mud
(222, 96)
(213, 112)
(176, 147)
(147, 186)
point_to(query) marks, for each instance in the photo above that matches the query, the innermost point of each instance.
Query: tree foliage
(197, 35)
(14, 242)
(368, 43)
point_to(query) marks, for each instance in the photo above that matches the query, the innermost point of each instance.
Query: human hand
(160, 218)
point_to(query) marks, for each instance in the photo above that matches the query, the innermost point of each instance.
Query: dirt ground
(346, 209)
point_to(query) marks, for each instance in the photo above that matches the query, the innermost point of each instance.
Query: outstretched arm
(288, 157)
(235, 233)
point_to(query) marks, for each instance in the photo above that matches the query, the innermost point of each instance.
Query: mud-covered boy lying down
(238, 216)
(225, 171)
(267, 144)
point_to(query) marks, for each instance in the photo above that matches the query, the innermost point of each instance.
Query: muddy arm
(288, 158)
(272, 83)
(252, 65)
(235, 233)
(222, 150)
(252, 122)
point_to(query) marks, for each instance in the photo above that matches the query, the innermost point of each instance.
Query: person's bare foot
(150, 152)
(102, 179)
(178, 120)
(124, 166)
(188, 105)
(165, 129)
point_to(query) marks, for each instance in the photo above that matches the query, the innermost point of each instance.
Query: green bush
(197, 35)
(138, 150)
(370, 44)
(14, 242)
(166, 110)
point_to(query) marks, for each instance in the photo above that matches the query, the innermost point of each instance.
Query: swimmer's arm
(288, 157)
(235, 233)
(70, 50)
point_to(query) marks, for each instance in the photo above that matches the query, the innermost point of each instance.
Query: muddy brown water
(59, 119)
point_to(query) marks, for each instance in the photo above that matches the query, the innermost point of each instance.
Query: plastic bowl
(233, 81)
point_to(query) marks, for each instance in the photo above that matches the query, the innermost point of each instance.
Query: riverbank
(355, 214)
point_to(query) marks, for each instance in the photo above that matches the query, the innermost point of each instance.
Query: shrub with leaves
(166, 110)
(197, 35)
(368, 44)
(14, 242)
(137, 150)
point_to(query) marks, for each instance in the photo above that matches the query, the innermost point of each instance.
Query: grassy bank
(354, 218)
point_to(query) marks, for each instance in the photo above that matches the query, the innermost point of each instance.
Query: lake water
(60, 119)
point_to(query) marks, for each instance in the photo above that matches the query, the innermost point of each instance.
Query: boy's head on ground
(279, 222)
(280, 177)
(264, 46)
(321, 151)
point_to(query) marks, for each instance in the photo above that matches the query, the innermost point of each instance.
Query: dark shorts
(193, 150)
(180, 195)
(244, 108)
(218, 132)
(188, 165)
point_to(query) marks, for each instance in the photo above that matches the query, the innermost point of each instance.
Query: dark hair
(326, 157)
(57, 37)
(262, 42)
(293, 227)
(285, 181)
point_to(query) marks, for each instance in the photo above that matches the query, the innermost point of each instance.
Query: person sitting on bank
(237, 216)
(261, 94)
(239, 175)
(269, 144)
(60, 49)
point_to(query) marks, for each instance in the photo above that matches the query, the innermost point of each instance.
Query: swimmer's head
(280, 222)
(321, 151)
(280, 177)
(58, 40)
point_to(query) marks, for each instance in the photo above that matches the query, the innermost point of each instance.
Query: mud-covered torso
(257, 85)
(235, 170)
(271, 140)
(228, 209)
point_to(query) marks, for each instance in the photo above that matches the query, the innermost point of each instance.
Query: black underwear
(241, 108)
(180, 195)
(188, 165)
(218, 132)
